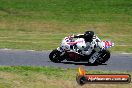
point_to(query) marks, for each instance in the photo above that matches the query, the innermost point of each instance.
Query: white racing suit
(90, 46)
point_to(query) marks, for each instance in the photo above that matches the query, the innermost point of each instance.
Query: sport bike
(69, 51)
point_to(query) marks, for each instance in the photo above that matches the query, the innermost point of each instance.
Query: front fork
(94, 57)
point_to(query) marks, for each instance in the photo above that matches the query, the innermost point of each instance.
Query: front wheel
(54, 56)
(104, 57)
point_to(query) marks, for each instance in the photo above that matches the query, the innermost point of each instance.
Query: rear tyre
(54, 56)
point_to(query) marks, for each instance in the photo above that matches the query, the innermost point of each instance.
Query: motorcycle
(72, 53)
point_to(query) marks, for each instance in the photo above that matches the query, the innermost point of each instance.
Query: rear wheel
(54, 56)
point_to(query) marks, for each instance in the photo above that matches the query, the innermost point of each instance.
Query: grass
(48, 77)
(70, 11)
(41, 24)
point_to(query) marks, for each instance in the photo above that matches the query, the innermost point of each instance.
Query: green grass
(41, 24)
(69, 10)
(47, 77)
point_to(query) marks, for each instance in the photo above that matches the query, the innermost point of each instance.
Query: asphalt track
(117, 62)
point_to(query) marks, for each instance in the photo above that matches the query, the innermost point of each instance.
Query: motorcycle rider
(92, 43)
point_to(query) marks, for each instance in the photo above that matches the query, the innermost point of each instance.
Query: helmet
(88, 36)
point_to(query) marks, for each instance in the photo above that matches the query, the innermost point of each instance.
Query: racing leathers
(95, 44)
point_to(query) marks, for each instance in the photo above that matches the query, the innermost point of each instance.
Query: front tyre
(54, 56)
(104, 57)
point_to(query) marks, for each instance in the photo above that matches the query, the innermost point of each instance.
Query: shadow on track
(82, 63)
